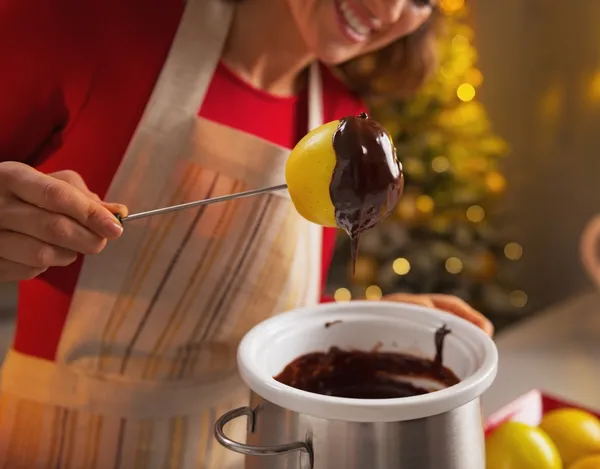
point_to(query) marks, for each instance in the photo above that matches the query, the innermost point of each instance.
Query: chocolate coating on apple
(367, 179)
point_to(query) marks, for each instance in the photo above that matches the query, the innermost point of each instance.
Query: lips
(355, 24)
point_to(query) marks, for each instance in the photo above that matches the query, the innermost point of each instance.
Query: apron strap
(315, 97)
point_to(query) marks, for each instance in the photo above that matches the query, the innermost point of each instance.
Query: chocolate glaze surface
(367, 179)
(367, 375)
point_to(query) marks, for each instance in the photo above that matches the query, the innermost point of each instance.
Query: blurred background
(501, 157)
(501, 153)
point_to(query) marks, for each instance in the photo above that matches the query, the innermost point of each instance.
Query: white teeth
(355, 24)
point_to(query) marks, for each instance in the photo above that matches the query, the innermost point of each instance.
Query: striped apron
(147, 361)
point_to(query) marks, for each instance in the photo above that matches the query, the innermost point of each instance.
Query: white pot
(326, 427)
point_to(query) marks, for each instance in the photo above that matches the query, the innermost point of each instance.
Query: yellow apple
(575, 433)
(588, 462)
(515, 445)
(308, 174)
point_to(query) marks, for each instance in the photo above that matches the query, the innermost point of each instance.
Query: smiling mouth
(353, 23)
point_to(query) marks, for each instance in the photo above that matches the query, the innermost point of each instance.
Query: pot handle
(303, 446)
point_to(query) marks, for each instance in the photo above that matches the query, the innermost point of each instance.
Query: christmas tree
(441, 239)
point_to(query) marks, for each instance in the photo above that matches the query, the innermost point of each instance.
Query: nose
(388, 11)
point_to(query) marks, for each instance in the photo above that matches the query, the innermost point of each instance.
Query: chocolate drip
(367, 179)
(440, 338)
(367, 375)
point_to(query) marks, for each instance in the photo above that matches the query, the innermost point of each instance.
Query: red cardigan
(75, 79)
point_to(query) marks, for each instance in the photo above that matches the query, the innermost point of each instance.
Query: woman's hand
(450, 304)
(47, 220)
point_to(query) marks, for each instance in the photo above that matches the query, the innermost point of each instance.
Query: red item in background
(529, 409)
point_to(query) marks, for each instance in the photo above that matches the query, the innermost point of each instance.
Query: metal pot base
(281, 439)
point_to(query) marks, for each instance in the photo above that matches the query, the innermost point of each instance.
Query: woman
(124, 359)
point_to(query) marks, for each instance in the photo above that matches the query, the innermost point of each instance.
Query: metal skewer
(199, 203)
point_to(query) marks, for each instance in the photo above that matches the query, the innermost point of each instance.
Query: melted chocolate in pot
(367, 179)
(367, 375)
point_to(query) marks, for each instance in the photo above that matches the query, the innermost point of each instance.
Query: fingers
(52, 228)
(13, 271)
(31, 252)
(448, 303)
(458, 307)
(419, 300)
(60, 197)
(47, 220)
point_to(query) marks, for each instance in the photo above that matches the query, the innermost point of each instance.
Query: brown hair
(397, 70)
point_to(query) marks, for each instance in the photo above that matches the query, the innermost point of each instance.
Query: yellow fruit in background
(308, 174)
(515, 445)
(575, 433)
(589, 462)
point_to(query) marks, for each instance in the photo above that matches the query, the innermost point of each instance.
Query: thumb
(74, 179)
(117, 209)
